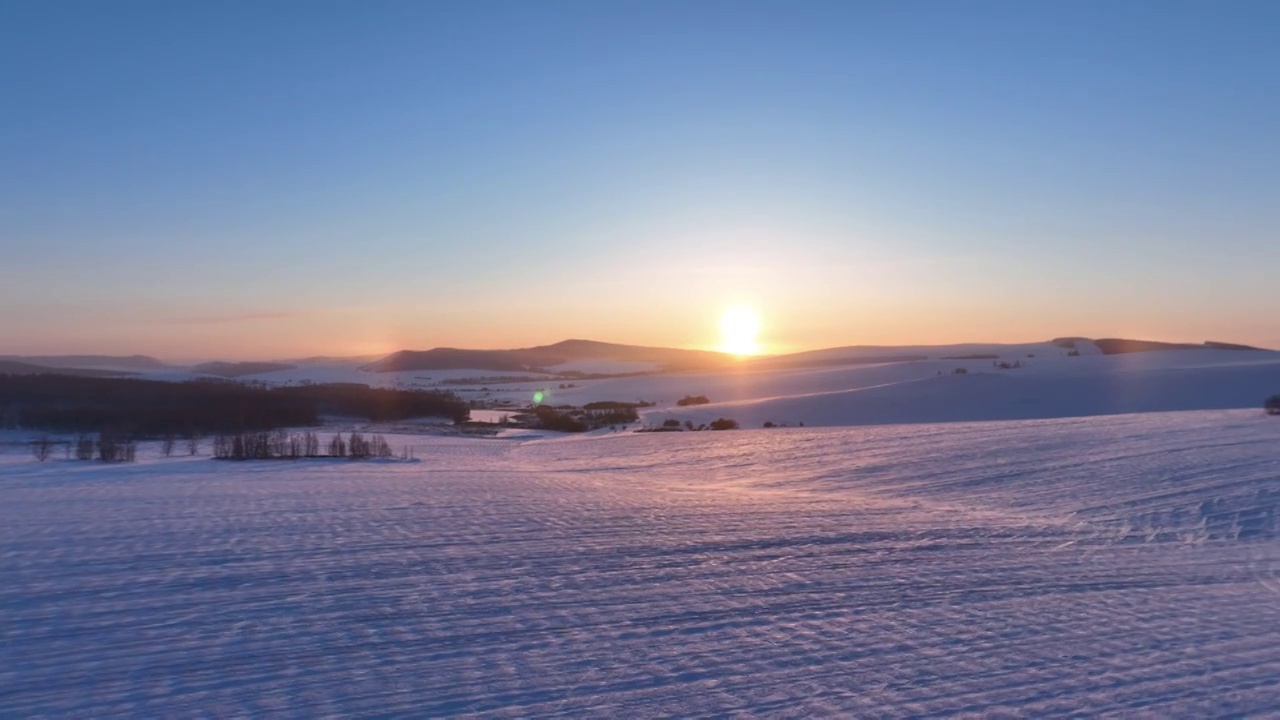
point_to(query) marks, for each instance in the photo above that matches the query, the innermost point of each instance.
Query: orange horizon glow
(765, 325)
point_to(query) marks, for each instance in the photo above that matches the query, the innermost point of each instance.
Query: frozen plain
(1123, 565)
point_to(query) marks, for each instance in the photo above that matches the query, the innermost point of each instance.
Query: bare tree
(193, 445)
(166, 445)
(357, 446)
(108, 449)
(278, 444)
(84, 447)
(41, 447)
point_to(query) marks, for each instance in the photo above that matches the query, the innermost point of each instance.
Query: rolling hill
(548, 356)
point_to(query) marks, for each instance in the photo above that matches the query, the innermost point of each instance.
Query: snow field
(1109, 565)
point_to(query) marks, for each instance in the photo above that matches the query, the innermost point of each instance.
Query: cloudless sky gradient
(276, 179)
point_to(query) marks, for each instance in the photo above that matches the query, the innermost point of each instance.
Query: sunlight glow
(739, 327)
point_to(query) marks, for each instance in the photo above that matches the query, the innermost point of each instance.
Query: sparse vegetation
(615, 416)
(282, 445)
(661, 428)
(1272, 406)
(673, 425)
(693, 400)
(612, 413)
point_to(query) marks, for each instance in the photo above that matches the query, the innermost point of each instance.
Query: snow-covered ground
(1047, 384)
(1125, 565)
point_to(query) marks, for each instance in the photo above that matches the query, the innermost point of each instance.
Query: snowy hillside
(1041, 381)
(1078, 387)
(1124, 565)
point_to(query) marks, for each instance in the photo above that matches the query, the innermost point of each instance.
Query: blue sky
(239, 179)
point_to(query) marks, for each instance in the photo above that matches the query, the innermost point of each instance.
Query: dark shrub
(724, 424)
(551, 419)
(1272, 405)
(693, 400)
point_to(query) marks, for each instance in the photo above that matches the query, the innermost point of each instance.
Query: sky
(282, 179)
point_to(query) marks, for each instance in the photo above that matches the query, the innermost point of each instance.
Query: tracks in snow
(1032, 568)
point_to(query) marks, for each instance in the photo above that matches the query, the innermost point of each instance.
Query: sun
(739, 327)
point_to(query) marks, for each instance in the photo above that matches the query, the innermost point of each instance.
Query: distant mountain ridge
(546, 356)
(870, 354)
(240, 369)
(134, 363)
(549, 357)
(330, 359)
(673, 359)
(15, 367)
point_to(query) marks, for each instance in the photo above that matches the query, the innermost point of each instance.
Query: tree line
(106, 448)
(131, 408)
(281, 445)
(261, 445)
